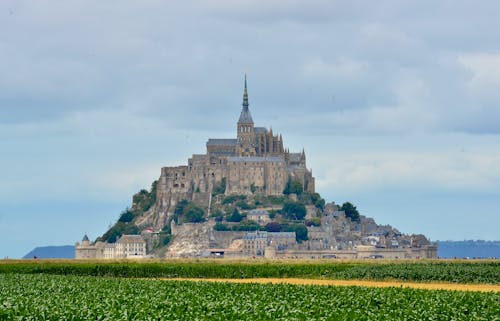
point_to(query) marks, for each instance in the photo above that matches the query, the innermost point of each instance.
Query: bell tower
(246, 134)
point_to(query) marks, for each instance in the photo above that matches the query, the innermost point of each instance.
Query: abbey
(256, 161)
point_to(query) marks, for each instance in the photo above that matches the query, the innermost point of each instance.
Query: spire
(245, 95)
(245, 116)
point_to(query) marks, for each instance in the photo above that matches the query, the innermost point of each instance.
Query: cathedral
(256, 161)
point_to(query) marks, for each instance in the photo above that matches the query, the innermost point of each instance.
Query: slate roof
(259, 130)
(295, 157)
(131, 239)
(256, 159)
(245, 116)
(222, 142)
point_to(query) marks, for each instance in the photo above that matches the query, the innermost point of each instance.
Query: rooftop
(256, 159)
(222, 142)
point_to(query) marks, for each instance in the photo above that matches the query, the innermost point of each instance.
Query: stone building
(253, 162)
(257, 243)
(127, 246)
(86, 250)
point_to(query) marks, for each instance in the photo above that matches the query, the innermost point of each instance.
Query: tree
(179, 208)
(235, 216)
(300, 233)
(350, 211)
(299, 229)
(221, 189)
(273, 227)
(294, 210)
(320, 203)
(293, 187)
(194, 214)
(126, 216)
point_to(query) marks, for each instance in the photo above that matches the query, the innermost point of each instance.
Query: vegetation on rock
(350, 211)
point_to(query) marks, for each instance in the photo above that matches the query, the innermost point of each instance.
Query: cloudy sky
(395, 102)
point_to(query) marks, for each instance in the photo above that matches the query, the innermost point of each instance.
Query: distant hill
(470, 249)
(52, 252)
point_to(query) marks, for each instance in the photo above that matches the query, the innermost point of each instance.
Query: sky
(396, 104)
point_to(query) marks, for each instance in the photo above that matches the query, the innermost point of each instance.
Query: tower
(245, 128)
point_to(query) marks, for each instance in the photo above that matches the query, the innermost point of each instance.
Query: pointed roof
(245, 116)
(85, 238)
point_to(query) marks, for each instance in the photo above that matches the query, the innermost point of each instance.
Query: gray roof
(266, 235)
(245, 116)
(222, 141)
(258, 212)
(85, 238)
(295, 157)
(256, 159)
(259, 130)
(282, 234)
(130, 239)
(255, 235)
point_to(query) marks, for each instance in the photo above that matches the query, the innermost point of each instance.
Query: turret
(85, 240)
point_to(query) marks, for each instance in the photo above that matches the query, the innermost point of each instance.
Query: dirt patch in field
(377, 284)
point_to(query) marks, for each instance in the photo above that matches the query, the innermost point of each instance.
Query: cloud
(426, 170)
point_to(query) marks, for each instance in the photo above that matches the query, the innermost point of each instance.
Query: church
(256, 161)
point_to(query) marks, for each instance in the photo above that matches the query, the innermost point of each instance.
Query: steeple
(245, 116)
(245, 94)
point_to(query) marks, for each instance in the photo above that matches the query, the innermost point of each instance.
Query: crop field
(415, 271)
(65, 297)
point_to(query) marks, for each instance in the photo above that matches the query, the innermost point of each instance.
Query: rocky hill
(194, 226)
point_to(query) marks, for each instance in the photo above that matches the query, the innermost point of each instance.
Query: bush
(221, 227)
(244, 205)
(247, 226)
(273, 227)
(221, 188)
(216, 213)
(314, 222)
(233, 198)
(235, 216)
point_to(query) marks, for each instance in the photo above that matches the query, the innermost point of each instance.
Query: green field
(418, 270)
(128, 290)
(57, 297)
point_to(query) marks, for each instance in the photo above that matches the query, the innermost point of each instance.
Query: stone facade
(256, 243)
(253, 162)
(127, 246)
